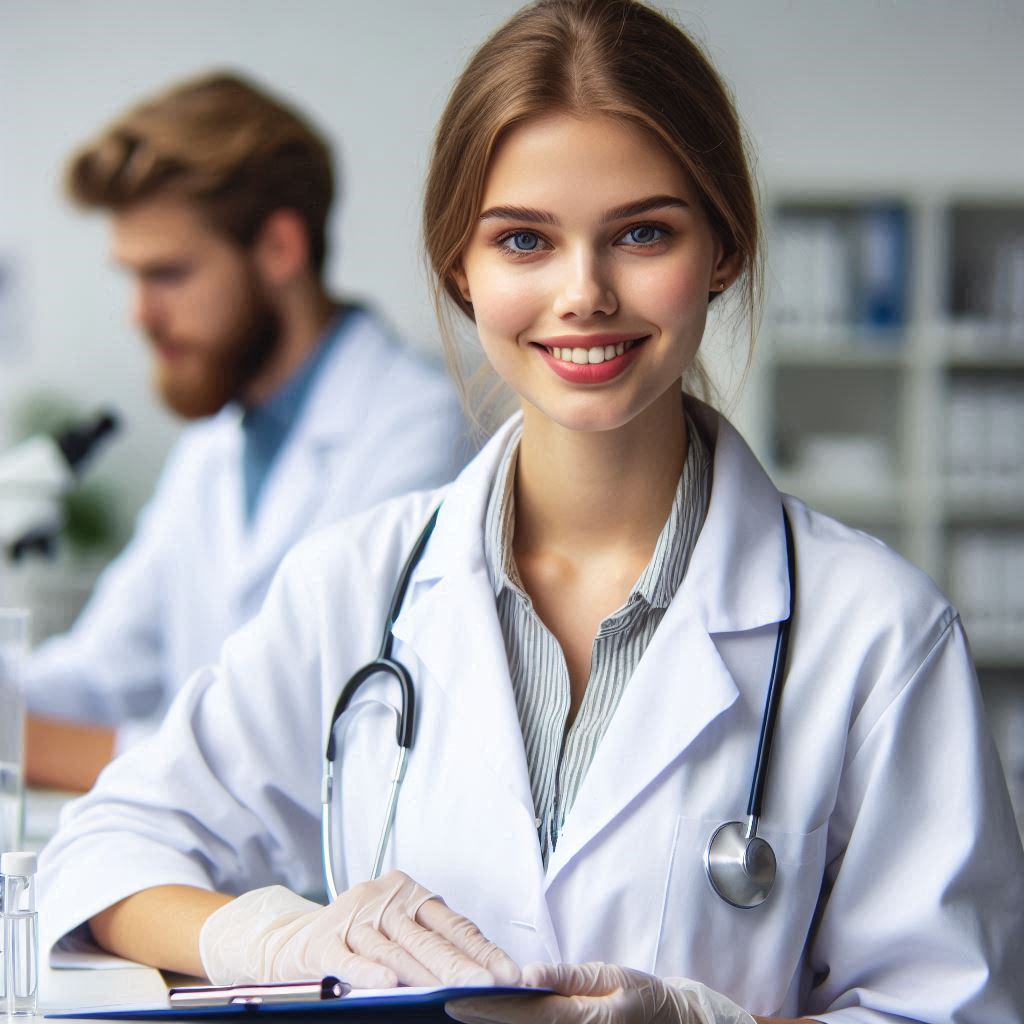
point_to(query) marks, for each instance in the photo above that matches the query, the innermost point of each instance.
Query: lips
(590, 359)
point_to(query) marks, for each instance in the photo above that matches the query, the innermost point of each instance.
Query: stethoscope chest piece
(740, 867)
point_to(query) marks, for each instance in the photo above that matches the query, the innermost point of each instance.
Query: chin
(587, 414)
(190, 402)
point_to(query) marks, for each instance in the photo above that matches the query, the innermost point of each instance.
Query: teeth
(583, 356)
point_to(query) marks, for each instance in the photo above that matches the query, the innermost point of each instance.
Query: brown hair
(616, 58)
(217, 141)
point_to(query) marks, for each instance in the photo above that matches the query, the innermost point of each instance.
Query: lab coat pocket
(750, 955)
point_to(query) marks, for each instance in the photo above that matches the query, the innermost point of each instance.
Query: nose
(143, 308)
(586, 290)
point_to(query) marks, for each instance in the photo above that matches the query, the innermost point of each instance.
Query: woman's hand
(602, 994)
(375, 935)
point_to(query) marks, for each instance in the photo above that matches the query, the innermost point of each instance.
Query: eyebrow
(528, 215)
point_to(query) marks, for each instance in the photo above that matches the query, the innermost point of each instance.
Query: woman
(590, 632)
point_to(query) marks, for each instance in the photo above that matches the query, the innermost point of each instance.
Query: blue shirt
(265, 427)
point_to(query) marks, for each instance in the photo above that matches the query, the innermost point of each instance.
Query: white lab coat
(378, 421)
(901, 875)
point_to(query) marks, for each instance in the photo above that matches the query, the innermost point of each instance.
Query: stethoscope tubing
(404, 726)
(774, 696)
(727, 871)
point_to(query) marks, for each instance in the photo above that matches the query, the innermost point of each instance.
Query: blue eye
(644, 234)
(523, 241)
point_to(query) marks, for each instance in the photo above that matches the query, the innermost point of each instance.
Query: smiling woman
(640, 74)
(591, 634)
(609, 247)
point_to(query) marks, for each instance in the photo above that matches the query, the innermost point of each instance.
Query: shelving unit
(891, 395)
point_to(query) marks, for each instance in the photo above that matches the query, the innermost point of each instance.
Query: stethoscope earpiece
(740, 866)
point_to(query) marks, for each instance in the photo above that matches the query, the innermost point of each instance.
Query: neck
(577, 492)
(304, 316)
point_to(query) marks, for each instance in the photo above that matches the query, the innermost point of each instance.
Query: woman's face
(589, 269)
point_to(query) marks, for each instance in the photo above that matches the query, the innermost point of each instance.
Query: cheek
(670, 296)
(505, 305)
(218, 303)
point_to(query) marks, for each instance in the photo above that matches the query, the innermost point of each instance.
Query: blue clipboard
(353, 1008)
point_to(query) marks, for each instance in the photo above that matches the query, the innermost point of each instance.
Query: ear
(462, 283)
(725, 270)
(281, 249)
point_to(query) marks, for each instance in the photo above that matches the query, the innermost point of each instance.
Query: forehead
(160, 229)
(574, 162)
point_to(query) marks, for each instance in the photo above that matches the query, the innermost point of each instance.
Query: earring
(720, 286)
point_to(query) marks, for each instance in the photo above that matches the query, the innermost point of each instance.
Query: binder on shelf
(883, 283)
(842, 270)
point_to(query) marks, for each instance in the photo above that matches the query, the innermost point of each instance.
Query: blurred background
(888, 385)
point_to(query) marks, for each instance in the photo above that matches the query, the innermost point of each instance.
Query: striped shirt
(558, 759)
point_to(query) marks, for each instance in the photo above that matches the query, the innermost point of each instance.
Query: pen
(259, 995)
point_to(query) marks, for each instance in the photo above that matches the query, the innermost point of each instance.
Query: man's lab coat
(378, 421)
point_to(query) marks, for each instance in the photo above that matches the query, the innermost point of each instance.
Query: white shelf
(893, 388)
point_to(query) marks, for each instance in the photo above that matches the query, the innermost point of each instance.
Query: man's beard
(225, 372)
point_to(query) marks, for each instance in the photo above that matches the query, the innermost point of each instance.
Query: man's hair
(220, 143)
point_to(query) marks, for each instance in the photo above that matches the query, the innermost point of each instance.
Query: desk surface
(77, 989)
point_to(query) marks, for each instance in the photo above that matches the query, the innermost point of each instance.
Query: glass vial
(14, 642)
(20, 934)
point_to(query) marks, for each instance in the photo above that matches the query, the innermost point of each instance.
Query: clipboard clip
(255, 996)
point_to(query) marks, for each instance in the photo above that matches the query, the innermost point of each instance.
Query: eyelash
(501, 241)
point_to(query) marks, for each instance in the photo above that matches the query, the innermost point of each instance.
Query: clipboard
(413, 1004)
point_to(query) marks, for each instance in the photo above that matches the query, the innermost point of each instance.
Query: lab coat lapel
(222, 502)
(285, 512)
(679, 688)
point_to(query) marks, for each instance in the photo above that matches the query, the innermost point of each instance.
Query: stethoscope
(740, 864)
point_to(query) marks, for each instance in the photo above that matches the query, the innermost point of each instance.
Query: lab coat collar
(737, 578)
(458, 539)
(338, 401)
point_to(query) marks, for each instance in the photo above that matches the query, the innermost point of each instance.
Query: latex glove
(375, 935)
(602, 994)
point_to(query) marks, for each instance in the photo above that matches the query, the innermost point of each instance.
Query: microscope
(35, 475)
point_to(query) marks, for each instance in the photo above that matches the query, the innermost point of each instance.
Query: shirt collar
(664, 573)
(499, 520)
(281, 409)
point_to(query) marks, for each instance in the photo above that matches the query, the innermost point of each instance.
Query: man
(305, 410)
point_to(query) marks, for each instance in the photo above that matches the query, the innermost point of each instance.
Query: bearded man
(304, 409)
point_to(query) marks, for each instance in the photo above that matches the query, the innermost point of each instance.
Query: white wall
(913, 92)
